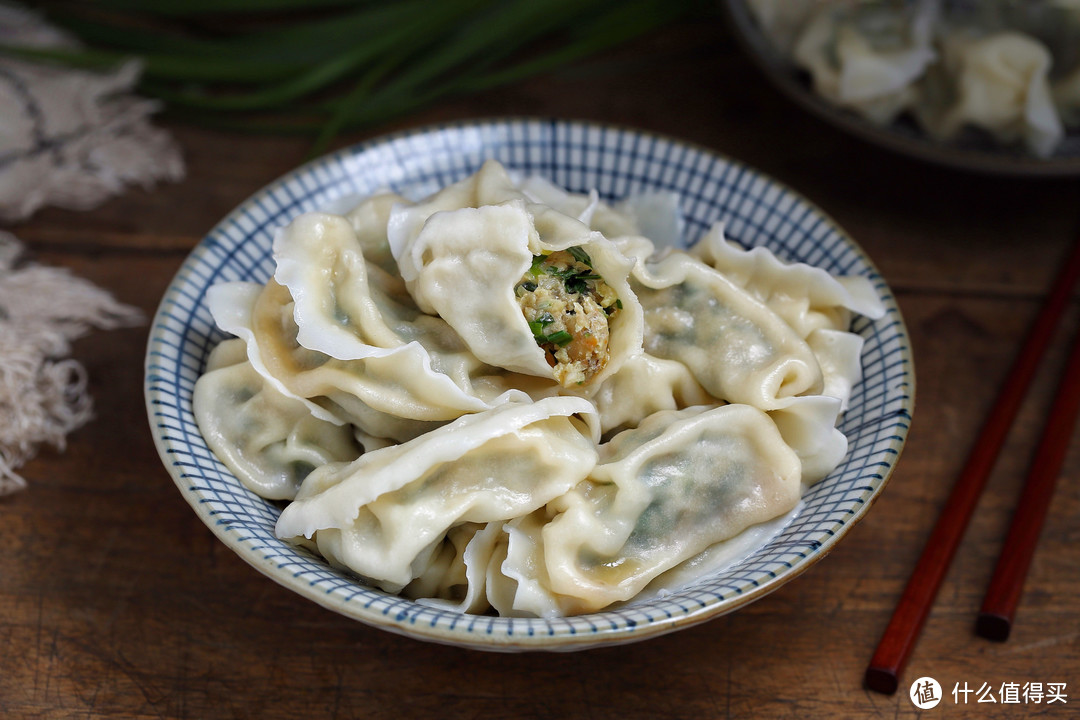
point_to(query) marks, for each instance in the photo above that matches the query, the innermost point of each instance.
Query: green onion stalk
(321, 67)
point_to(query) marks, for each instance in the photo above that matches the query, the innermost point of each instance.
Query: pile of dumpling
(503, 398)
(1009, 69)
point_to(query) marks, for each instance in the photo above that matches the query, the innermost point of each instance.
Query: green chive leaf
(580, 255)
(560, 338)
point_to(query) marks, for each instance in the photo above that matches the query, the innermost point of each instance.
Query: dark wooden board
(115, 600)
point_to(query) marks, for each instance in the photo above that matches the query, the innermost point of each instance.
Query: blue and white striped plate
(577, 156)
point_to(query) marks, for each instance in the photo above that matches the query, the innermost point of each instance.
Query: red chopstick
(1003, 594)
(907, 621)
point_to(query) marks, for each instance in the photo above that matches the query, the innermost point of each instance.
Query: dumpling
(545, 295)
(341, 306)
(522, 588)
(661, 494)
(269, 441)
(368, 219)
(839, 355)
(998, 83)
(458, 577)
(586, 209)
(228, 352)
(645, 385)
(867, 58)
(397, 396)
(351, 309)
(806, 297)
(807, 425)
(490, 185)
(384, 515)
(654, 214)
(817, 305)
(527, 289)
(738, 349)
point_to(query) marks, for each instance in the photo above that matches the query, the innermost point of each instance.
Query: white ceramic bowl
(577, 156)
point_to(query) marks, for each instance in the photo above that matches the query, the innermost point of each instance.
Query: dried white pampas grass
(42, 392)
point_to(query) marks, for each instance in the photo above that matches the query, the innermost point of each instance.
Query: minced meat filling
(568, 306)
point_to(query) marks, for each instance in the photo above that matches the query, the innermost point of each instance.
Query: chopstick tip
(993, 627)
(882, 680)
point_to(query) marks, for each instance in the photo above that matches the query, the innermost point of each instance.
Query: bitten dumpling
(527, 289)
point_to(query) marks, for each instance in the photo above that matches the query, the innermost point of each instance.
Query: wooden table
(115, 600)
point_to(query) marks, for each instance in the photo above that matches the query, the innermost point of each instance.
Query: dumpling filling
(569, 309)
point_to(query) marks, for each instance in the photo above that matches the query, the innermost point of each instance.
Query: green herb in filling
(568, 308)
(537, 265)
(560, 338)
(580, 255)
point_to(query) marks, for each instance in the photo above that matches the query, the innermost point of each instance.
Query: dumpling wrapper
(464, 264)
(661, 494)
(269, 441)
(645, 385)
(815, 303)
(850, 70)
(390, 508)
(398, 395)
(999, 83)
(738, 349)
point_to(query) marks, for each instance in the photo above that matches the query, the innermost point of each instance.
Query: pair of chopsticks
(1003, 594)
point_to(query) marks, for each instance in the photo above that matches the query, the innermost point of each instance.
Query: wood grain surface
(116, 601)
